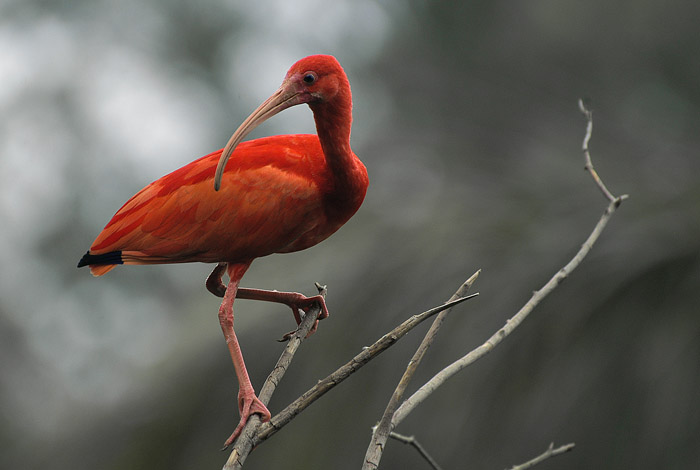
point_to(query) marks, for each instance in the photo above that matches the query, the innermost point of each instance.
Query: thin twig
(429, 387)
(412, 441)
(367, 354)
(587, 155)
(244, 444)
(382, 430)
(550, 452)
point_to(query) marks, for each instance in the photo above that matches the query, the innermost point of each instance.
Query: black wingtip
(113, 257)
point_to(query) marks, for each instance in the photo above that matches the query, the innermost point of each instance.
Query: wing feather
(270, 197)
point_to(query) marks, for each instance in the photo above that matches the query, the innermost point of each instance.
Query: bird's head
(315, 80)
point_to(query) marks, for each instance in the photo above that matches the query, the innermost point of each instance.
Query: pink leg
(248, 402)
(292, 299)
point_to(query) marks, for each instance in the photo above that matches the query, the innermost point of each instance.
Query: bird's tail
(102, 263)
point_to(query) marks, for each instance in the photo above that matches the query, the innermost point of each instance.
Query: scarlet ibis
(275, 194)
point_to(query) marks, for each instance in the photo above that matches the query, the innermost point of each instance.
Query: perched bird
(276, 194)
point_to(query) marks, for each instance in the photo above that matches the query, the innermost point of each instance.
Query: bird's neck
(348, 174)
(333, 123)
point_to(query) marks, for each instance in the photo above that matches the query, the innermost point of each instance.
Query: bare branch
(412, 441)
(384, 428)
(429, 387)
(244, 443)
(587, 155)
(550, 452)
(283, 417)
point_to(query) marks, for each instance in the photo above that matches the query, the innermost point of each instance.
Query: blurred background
(466, 117)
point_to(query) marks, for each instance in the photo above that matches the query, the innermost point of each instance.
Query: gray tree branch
(376, 447)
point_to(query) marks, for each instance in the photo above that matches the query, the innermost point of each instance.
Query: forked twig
(412, 441)
(550, 452)
(384, 428)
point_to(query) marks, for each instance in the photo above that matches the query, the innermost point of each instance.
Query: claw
(309, 301)
(303, 303)
(248, 405)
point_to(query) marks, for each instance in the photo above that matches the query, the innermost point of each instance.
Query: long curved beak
(286, 96)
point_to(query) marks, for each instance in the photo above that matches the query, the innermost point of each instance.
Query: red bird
(276, 195)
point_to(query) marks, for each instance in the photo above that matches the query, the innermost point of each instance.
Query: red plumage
(271, 195)
(275, 198)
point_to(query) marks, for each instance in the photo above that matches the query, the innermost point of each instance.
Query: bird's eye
(309, 78)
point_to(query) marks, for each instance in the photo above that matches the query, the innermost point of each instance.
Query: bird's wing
(264, 205)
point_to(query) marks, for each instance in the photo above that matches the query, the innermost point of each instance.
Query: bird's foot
(299, 302)
(248, 405)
